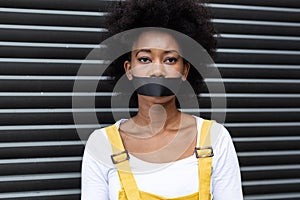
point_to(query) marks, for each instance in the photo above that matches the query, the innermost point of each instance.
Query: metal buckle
(210, 154)
(119, 154)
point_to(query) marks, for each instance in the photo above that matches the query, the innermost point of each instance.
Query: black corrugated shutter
(44, 42)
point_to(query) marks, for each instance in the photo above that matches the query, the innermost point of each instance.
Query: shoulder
(99, 148)
(222, 144)
(219, 134)
(99, 136)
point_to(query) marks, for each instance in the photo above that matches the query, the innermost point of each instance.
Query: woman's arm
(94, 183)
(226, 178)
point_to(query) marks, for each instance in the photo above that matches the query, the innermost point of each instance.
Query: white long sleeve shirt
(100, 180)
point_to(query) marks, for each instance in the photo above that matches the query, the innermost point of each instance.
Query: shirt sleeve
(226, 178)
(94, 182)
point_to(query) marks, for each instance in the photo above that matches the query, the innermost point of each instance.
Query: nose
(157, 70)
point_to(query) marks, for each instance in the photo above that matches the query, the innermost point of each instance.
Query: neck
(157, 113)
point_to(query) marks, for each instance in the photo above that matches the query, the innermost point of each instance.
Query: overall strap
(120, 158)
(204, 154)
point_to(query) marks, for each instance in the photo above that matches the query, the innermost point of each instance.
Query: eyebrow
(149, 51)
(143, 50)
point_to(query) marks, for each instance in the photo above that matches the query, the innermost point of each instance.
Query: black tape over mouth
(156, 86)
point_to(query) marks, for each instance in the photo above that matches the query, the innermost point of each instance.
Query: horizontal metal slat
(46, 68)
(39, 144)
(33, 177)
(250, 102)
(31, 182)
(53, 127)
(259, 71)
(266, 139)
(269, 153)
(18, 33)
(272, 196)
(249, 56)
(51, 17)
(41, 149)
(256, 66)
(232, 11)
(66, 194)
(48, 50)
(270, 172)
(53, 118)
(51, 86)
(49, 102)
(271, 145)
(261, 158)
(37, 69)
(275, 3)
(41, 135)
(52, 28)
(258, 42)
(249, 95)
(264, 52)
(271, 129)
(40, 165)
(251, 87)
(54, 61)
(238, 6)
(92, 5)
(264, 124)
(87, 5)
(27, 52)
(53, 12)
(228, 26)
(255, 117)
(270, 186)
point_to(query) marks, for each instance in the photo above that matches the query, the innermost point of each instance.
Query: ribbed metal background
(44, 42)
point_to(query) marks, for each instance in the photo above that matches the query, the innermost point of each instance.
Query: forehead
(156, 40)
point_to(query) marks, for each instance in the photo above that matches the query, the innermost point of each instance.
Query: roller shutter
(43, 44)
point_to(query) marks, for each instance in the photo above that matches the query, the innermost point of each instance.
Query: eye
(171, 60)
(144, 59)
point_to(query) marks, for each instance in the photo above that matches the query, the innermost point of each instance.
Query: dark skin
(159, 133)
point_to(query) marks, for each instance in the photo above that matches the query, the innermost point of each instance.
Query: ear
(127, 67)
(186, 69)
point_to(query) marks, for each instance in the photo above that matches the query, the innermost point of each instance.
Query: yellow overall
(130, 190)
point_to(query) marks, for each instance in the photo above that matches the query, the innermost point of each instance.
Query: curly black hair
(189, 17)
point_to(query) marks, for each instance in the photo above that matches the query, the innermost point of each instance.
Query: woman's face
(156, 54)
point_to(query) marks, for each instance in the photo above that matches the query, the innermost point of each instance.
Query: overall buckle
(204, 152)
(114, 157)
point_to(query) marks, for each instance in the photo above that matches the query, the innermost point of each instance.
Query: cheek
(175, 70)
(140, 70)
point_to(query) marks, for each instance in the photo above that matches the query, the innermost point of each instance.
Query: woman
(160, 153)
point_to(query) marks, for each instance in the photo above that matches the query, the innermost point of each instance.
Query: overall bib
(130, 191)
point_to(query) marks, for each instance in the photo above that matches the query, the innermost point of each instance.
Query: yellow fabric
(149, 196)
(205, 164)
(126, 177)
(130, 190)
